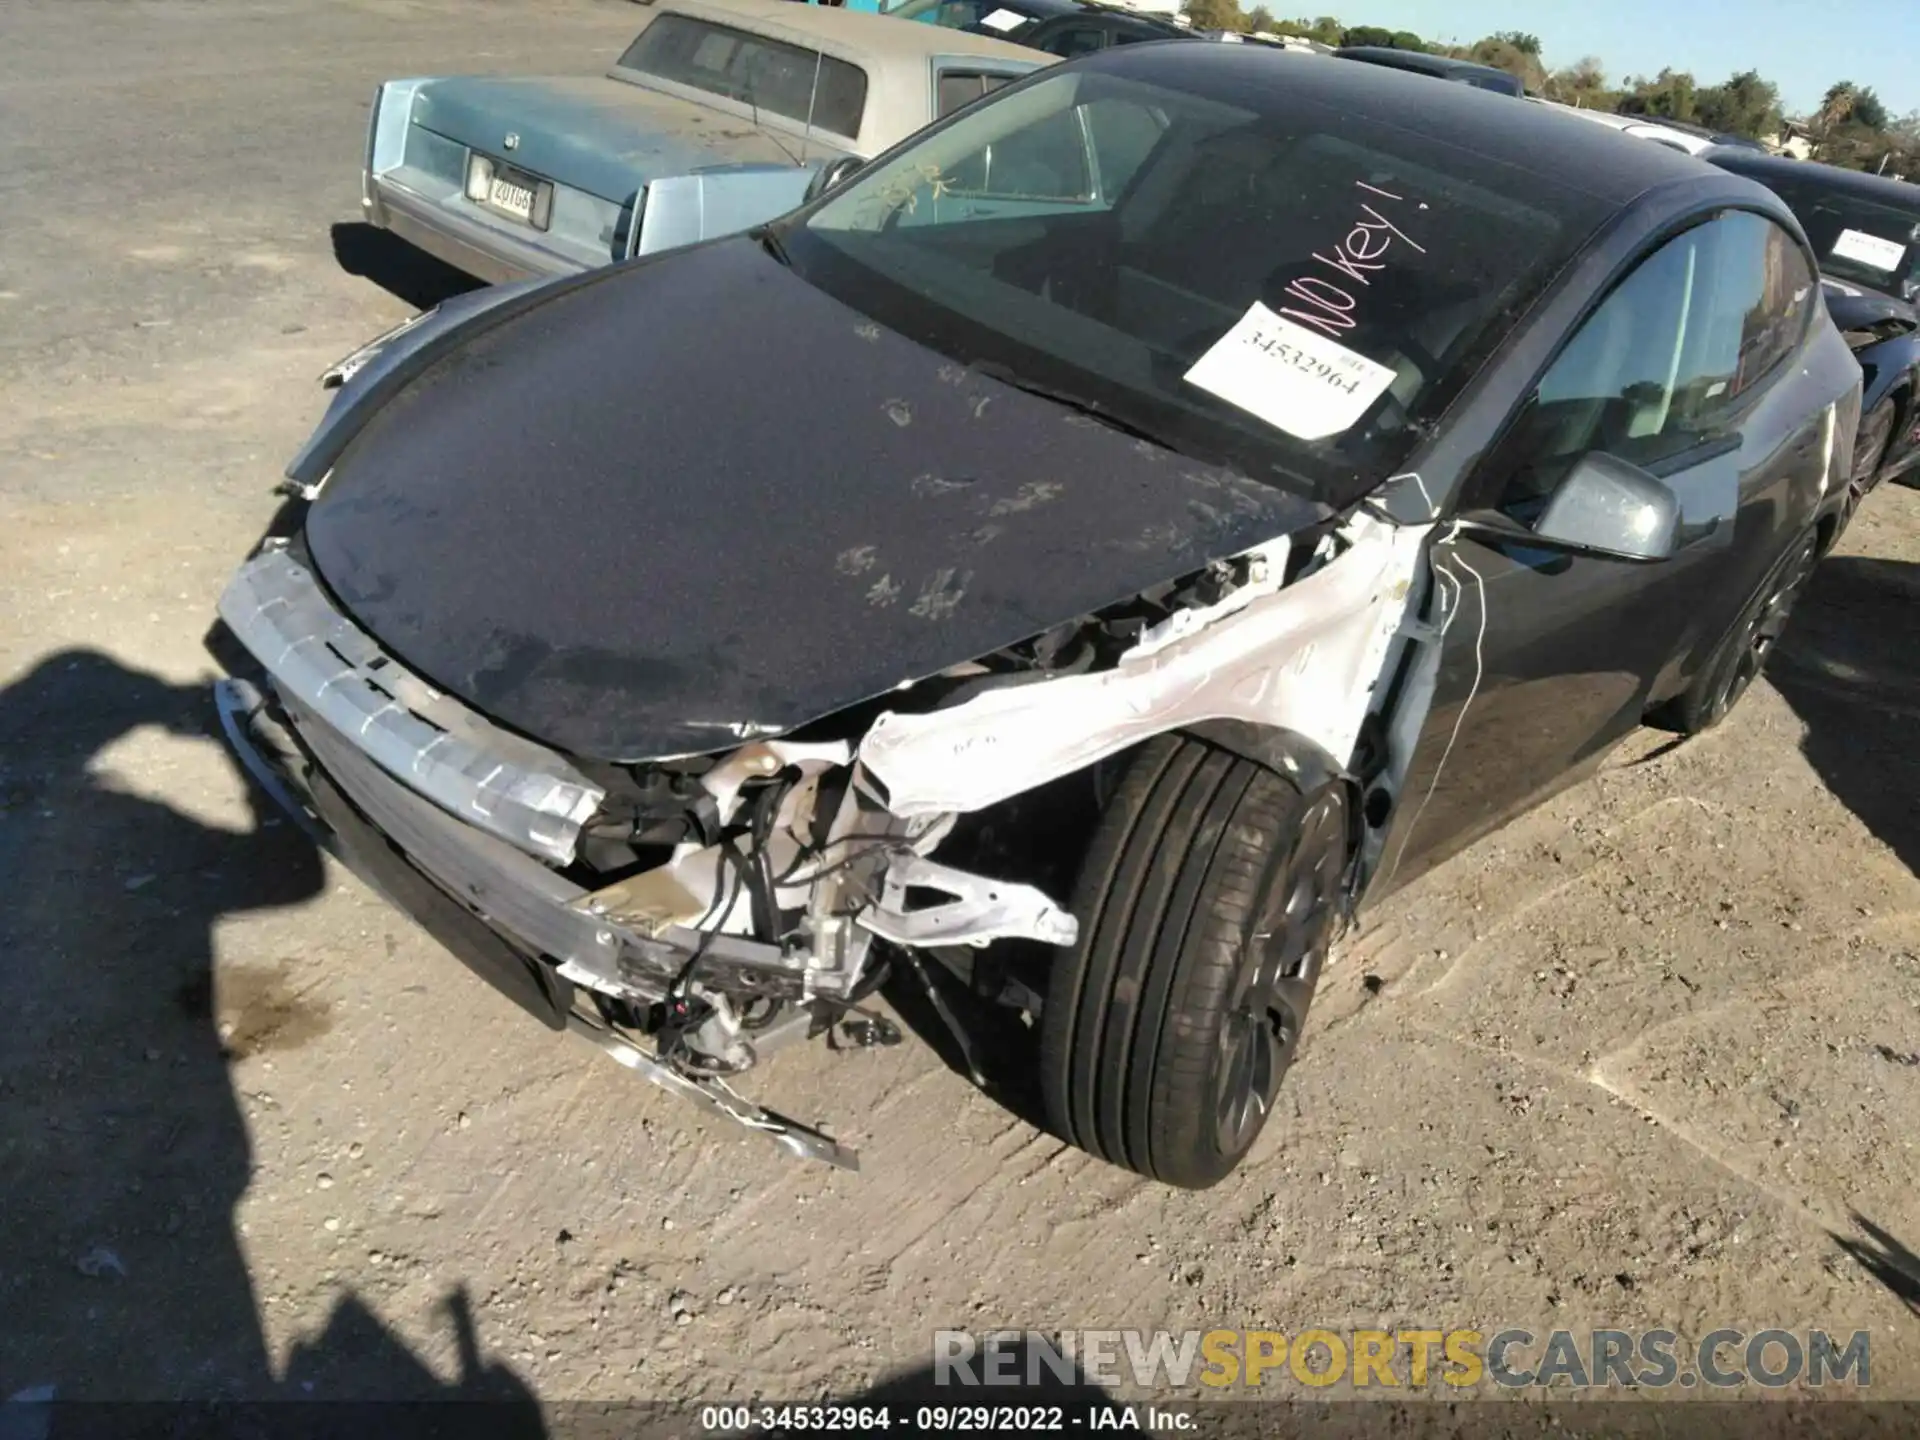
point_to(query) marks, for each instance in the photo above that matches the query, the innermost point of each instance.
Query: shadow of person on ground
(1845, 665)
(124, 1143)
(402, 270)
(1886, 1259)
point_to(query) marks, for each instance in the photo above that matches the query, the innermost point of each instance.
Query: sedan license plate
(517, 200)
(507, 190)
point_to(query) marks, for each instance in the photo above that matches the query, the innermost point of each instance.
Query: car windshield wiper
(1093, 409)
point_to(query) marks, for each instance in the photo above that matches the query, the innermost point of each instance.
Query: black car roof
(1426, 64)
(1763, 168)
(1046, 9)
(1535, 138)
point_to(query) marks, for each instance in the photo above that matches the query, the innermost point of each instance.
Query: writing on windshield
(1358, 256)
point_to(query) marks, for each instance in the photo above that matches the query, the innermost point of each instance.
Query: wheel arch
(1298, 759)
(1827, 530)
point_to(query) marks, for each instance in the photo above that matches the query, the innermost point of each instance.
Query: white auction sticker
(1003, 20)
(1295, 379)
(1869, 250)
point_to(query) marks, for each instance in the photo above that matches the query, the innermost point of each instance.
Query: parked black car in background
(1441, 67)
(1095, 27)
(1059, 27)
(1701, 132)
(1866, 231)
(1095, 589)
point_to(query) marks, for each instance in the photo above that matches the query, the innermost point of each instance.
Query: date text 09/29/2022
(940, 1419)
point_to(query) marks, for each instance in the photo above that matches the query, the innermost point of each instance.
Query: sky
(1802, 47)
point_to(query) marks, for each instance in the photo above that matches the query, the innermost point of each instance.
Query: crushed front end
(688, 915)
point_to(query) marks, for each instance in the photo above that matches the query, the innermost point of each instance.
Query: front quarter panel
(449, 324)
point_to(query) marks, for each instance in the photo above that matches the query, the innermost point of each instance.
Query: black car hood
(696, 499)
(1855, 308)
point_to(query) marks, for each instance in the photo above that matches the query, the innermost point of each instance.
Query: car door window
(962, 87)
(1046, 161)
(1051, 160)
(1075, 40)
(1668, 359)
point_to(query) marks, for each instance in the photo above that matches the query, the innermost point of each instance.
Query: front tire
(1207, 904)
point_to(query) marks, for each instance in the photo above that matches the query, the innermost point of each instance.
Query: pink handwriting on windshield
(1358, 256)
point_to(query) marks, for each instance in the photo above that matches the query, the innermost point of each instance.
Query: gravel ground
(1650, 1056)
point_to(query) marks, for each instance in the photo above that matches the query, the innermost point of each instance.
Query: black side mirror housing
(1606, 506)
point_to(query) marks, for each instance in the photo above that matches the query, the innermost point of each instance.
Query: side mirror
(833, 173)
(1609, 507)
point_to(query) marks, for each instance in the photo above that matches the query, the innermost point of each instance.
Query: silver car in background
(718, 116)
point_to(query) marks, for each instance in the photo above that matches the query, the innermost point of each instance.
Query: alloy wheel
(1765, 621)
(1280, 964)
(1869, 449)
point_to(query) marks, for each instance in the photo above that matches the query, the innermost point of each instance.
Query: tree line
(1851, 127)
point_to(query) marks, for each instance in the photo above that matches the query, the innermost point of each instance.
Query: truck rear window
(771, 75)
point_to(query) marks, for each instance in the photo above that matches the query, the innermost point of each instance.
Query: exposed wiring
(765, 905)
(676, 988)
(755, 877)
(756, 882)
(874, 842)
(734, 863)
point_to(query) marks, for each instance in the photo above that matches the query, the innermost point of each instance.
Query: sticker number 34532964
(1295, 379)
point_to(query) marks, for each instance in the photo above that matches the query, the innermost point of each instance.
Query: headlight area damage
(691, 914)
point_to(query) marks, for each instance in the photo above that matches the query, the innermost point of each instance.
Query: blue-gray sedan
(718, 116)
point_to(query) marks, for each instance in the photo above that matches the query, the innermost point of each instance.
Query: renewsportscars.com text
(1513, 1358)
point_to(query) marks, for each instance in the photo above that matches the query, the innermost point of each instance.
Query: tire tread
(1170, 885)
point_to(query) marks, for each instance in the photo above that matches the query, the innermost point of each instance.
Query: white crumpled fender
(1308, 658)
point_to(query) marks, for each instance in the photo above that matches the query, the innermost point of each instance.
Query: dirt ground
(1649, 1057)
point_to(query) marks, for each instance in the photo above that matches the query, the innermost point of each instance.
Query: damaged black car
(1082, 556)
(1866, 229)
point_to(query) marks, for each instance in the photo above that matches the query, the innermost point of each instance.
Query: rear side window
(963, 87)
(771, 75)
